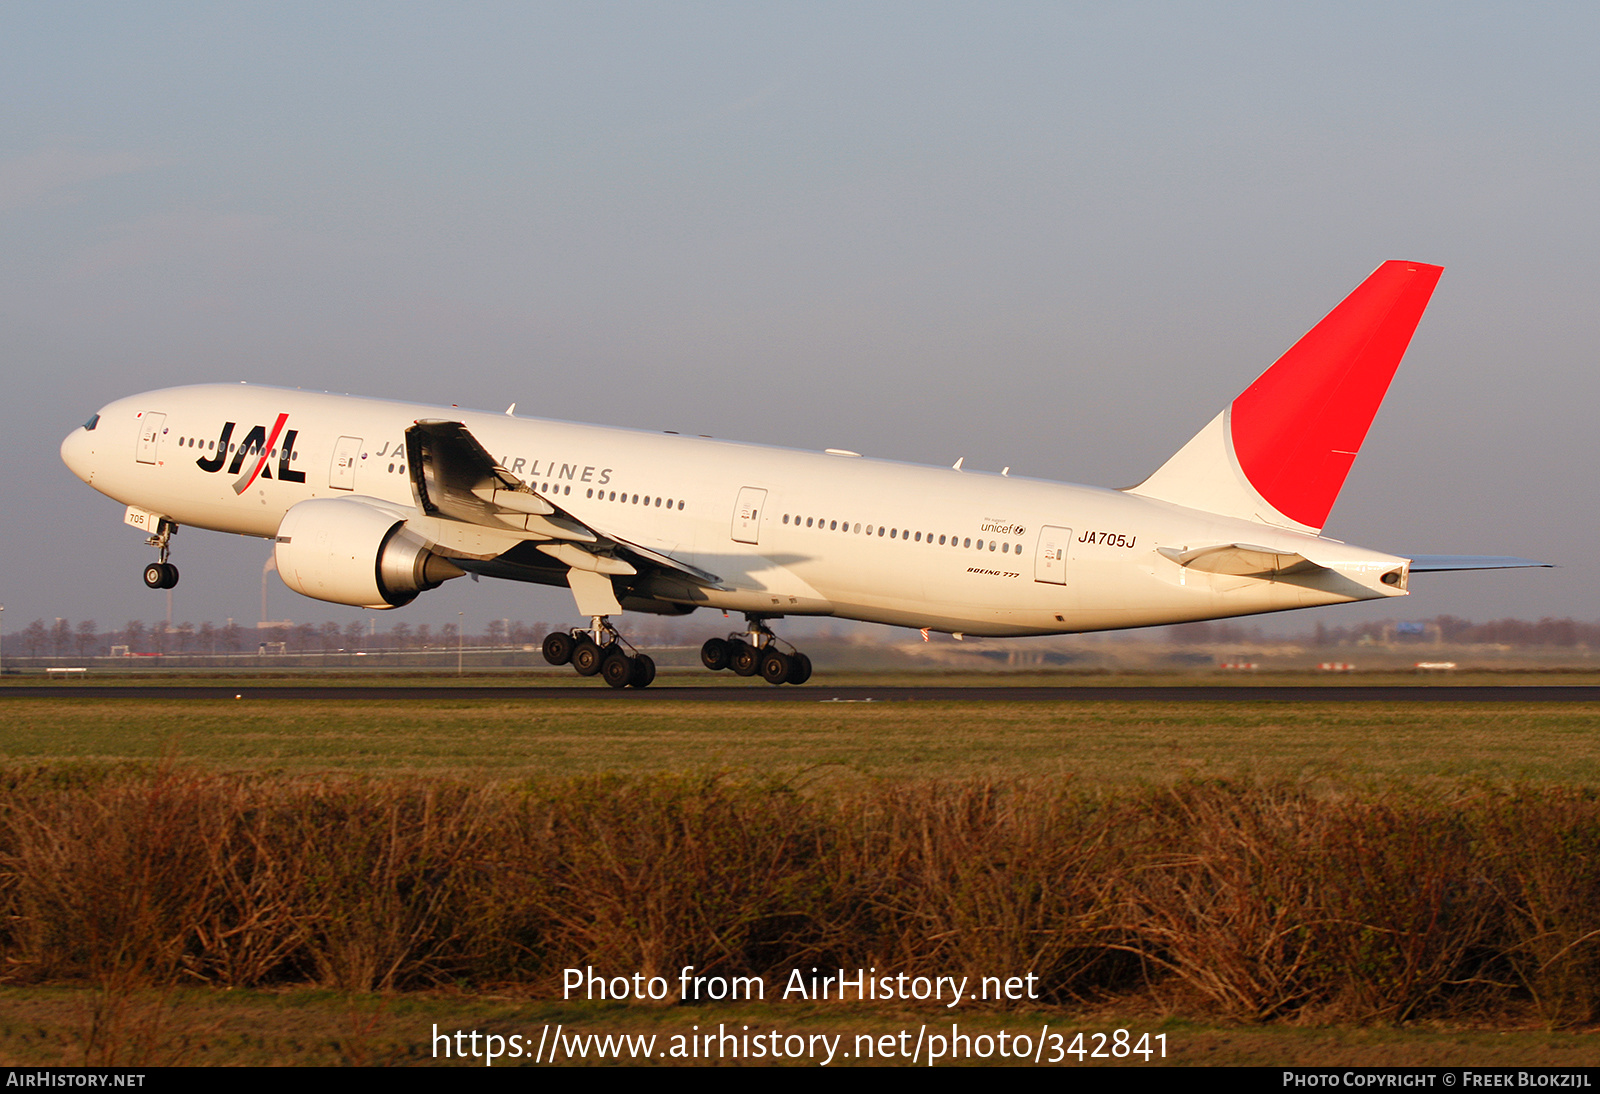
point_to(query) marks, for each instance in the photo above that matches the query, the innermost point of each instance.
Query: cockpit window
(92, 422)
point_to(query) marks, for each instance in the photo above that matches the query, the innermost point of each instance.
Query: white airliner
(370, 503)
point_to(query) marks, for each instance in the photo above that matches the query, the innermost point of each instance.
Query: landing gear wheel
(161, 575)
(617, 668)
(587, 658)
(714, 654)
(744, 659)
(558, 647)
(644, 671)
(775, 666)
(799, 668)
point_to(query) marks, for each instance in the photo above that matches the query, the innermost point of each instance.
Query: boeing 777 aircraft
(370, 503)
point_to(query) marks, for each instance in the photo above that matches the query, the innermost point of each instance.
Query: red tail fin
(1280, 452)
(1297, 429)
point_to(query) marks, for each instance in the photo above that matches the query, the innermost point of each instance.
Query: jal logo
(250, 458)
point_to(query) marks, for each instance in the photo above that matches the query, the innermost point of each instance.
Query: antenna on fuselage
(957, 465)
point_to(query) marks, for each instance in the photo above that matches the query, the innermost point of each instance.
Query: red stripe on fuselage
(244, 484)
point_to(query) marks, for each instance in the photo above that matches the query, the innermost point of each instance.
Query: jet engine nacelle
(350, 552)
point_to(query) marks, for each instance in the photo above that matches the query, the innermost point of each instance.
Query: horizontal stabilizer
(1242, 560)
(1428, 564)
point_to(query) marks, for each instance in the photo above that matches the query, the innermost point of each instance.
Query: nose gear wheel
(161, 574)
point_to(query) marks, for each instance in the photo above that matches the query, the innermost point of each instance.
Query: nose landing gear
(756, 652)
(600, 651)
(161, 574)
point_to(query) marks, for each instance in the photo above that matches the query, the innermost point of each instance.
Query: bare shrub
(654, 874)
(1275, 902)
(386, 877)
(1547, 843)
(1271, 901)
(103, 880)
(1410, 906)
(1220, 893)
(985, 879)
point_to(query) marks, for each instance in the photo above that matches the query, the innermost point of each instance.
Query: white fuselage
(786, 532)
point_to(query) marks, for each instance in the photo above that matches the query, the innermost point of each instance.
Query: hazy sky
(1052, 236)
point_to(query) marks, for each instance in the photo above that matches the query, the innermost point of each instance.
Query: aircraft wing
(455, 478)
(1427, 564)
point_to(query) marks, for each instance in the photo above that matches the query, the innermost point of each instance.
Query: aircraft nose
(77, 452)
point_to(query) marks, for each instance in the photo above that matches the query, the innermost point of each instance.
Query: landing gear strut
(161, 574)
(756, 651)
(601, 651)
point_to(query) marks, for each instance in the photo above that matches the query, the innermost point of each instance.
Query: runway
(822, 693)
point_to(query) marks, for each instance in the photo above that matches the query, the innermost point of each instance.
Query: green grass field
(1095, 743)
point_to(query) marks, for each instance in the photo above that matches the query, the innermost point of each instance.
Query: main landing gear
(756, 652)
(600, 651)
(161, 574)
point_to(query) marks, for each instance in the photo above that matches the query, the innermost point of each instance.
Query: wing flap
(456, 481)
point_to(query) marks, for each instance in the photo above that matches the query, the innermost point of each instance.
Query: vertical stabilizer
(1280, 452)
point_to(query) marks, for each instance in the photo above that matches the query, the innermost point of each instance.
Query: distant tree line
(63, 638)
(1449, 629)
